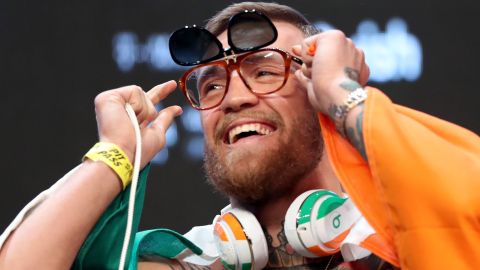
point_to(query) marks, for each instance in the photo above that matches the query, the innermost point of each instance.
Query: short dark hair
(276, 12)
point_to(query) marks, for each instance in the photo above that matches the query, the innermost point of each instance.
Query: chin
(255, 168)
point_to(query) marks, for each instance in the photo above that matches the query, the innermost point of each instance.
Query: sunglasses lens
(250, 30)
(192, 46)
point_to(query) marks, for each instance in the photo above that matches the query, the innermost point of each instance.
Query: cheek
(208, 121)
(295, 100)
(293, 89)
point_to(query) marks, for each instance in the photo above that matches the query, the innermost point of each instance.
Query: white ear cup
(299, 229)
(290, 226)
(224, 241)
(240, 240)
(316, 224)
(333, 220)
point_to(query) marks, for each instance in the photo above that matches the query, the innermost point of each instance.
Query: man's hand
(115, 126)
(333, 67)
(72, 210)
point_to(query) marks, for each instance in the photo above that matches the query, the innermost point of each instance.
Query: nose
(238, 95)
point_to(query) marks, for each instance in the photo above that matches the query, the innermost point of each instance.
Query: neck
(271, 214)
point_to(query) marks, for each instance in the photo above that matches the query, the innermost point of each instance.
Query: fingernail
(311, 49)
(179, 111)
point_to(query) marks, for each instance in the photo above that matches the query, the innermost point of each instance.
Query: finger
(154, 137)
(164, 119)
(307, 72)
(151, 113)
(309, 45)
(361, 56)
(302, 78)
(364, 69)
(142, 106)
(161, 91)
(297, 50)
(364, 75)
(311, 49)
(133, 95)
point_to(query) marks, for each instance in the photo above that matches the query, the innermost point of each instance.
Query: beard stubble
(269, 172)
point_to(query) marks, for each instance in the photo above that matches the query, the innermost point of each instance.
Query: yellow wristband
(115, 158)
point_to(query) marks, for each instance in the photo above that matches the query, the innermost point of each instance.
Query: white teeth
(259, 128)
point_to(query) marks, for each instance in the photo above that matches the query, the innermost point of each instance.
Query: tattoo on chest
(281, 255)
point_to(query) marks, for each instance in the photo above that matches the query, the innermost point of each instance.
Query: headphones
(316, 224)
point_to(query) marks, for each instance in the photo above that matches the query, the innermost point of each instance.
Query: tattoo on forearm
(339, 113)
(355, 134)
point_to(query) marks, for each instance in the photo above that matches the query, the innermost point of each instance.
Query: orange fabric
(421, 187)
(376, 244)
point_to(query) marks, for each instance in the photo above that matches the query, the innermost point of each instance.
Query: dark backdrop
(55, 56)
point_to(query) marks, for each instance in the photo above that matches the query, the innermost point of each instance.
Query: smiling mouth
(247, 130)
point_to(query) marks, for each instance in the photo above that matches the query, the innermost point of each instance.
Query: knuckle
(102, 97)
(337, 34)
(135, 90)
(134, 87)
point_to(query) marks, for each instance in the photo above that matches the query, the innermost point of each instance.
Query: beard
(254, 177)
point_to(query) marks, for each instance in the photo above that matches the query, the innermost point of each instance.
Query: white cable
(133, 188)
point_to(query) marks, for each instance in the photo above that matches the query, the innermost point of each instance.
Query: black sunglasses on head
(246, 31)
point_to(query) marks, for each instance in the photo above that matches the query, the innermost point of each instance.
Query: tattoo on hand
(352, 82)
(351, 73)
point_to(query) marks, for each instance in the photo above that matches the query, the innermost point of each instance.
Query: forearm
(354, 129)
(52, 235)
(351, 123)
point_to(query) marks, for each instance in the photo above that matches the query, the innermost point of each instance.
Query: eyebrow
(207, 71)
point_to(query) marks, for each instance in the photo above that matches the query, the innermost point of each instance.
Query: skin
(312, 87)
(281, 109)
(82, 200)
(288, 103)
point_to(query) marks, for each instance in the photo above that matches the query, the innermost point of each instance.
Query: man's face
(259, 146)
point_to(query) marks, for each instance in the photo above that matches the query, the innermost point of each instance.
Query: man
(374, 150)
